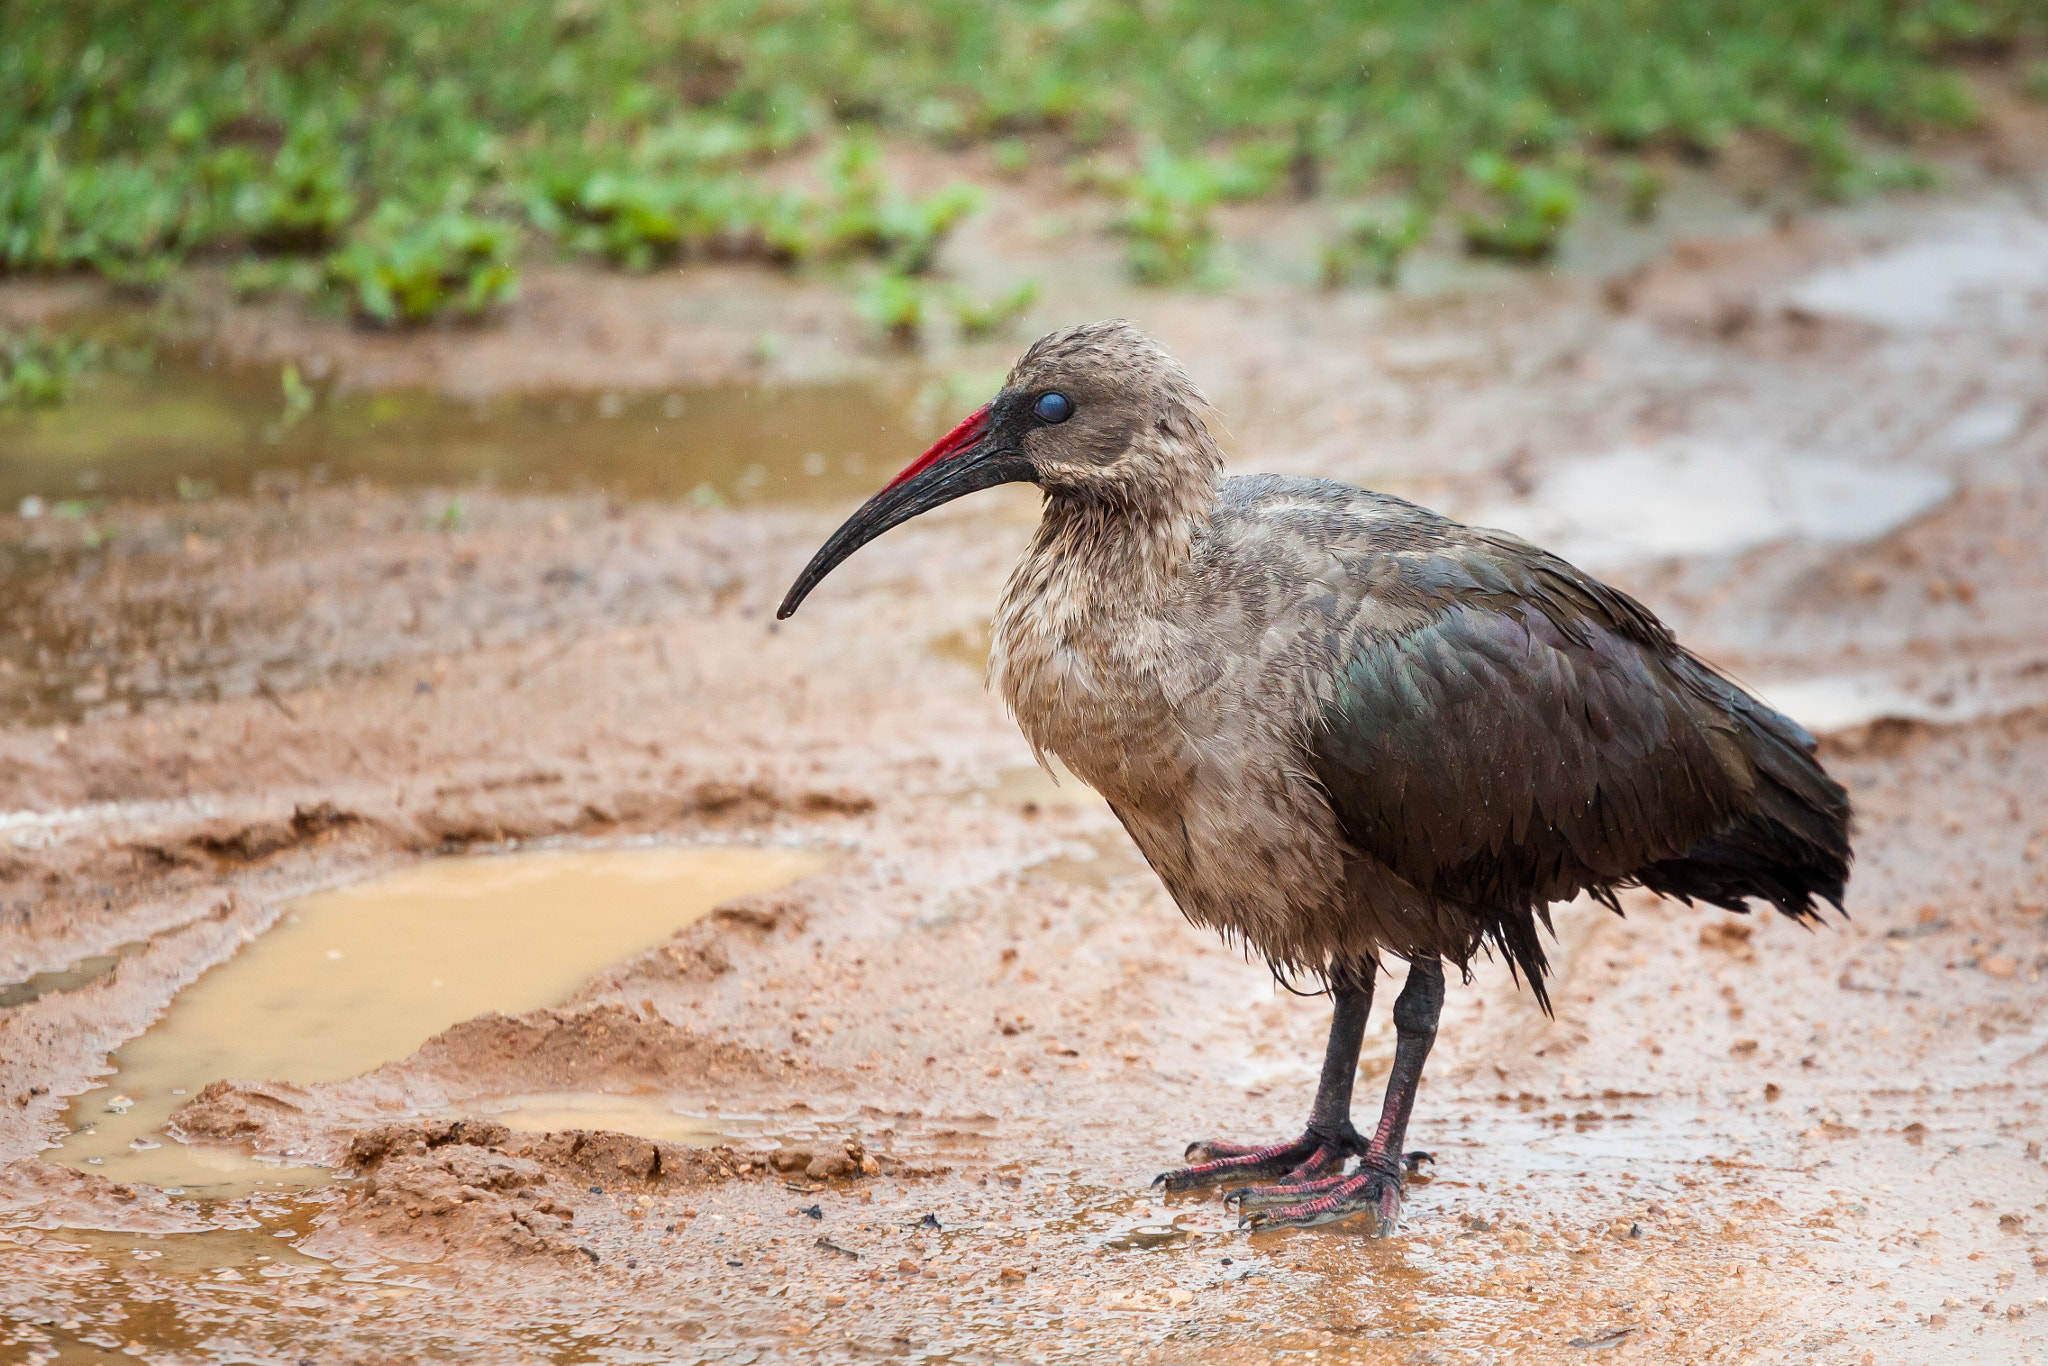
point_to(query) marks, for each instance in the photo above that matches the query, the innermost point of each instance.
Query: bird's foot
(1304, 1159)
(1374, 1188)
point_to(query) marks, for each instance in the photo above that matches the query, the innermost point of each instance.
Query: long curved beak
(964, 461)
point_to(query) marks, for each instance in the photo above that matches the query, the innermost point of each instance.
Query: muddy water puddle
(82, 973)
(119, 608)
(645, 1116)
(182, 429)
(357, 976)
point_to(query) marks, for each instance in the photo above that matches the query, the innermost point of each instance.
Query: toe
(1322, 1202)
(1282, 1193)
(1231, 1161)
(1209, 1149)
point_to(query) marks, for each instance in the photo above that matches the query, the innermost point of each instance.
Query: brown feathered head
(1097, 414)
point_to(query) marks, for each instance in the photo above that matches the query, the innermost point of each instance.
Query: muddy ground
(974, 1038)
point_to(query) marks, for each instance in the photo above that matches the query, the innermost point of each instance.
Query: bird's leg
(1330, 1138)
(1376, 1185)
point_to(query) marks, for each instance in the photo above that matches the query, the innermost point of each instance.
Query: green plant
(894, 306)
(860, 215)
(299, 401)
(136, 132)
(1168, 219)
(1375, 242)
(100, 215)
(1832, 163)
(1902, 173)
(985, 317)
(912, 230)
(304, 203)
(266, 276)
(640, 220)
(1530, 208)
(404, 269)
(1642, 190)
(1012, 157)
(36, 369)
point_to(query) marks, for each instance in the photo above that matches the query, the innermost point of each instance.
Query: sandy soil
(977, 1036)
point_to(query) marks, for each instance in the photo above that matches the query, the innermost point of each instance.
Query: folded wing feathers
(1542, 734)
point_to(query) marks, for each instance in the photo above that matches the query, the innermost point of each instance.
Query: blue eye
(1053, 407)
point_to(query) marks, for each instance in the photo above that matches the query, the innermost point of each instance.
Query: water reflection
(179, 428)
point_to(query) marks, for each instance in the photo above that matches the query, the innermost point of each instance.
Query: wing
(1536, 734)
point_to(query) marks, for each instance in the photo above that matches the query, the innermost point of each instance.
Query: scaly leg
(1376, 1185)
(1330, 1139)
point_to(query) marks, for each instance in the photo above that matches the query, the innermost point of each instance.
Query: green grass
(418, 150)
(1373, 243)
(36, 369)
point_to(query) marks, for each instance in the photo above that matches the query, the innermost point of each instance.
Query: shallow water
(1980, 269)
(647, 1116)
(82, 973)
(183, 429)
(360, 975)
(1686, 498)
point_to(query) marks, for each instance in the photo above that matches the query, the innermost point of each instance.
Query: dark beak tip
(965, 469)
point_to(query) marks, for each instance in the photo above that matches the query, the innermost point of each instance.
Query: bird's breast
(1091, 693)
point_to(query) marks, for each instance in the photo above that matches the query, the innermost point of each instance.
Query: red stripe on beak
(952, 443)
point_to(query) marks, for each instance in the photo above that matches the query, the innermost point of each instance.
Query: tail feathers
(1791, 848)
(1785, 852)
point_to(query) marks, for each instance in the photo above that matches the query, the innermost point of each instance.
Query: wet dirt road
(928, 1084)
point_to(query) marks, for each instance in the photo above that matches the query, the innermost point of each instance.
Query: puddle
(1103, 859)
(1032, 789)
(1688, 498)
(182, 429)
(84, 972)
(111, 1297)
(1986, 264)
(1840, 701)
(969, 646)
(645, 1116)
(1983, 426)
(1145, 1238)
(354, 977)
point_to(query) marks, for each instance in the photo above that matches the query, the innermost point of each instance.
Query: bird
(1343, 729)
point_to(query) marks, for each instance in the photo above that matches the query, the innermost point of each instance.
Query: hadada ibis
(1342, 728)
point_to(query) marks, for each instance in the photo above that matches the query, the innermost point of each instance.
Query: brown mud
(927, 1085)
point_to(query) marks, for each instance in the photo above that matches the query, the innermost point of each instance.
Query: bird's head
(1097, 415)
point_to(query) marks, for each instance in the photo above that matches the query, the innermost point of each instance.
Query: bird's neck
(1114, 546)
(1080, 619)
(1107, 557)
